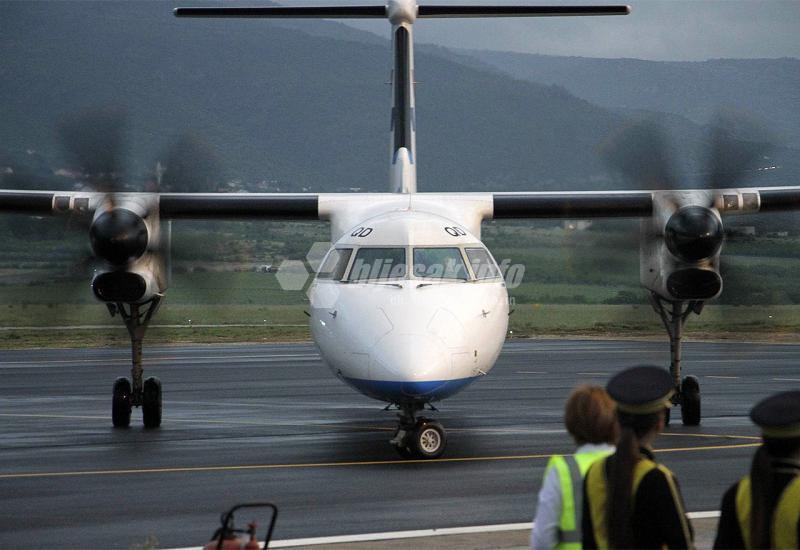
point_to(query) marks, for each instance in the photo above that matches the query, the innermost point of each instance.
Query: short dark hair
(590, 416)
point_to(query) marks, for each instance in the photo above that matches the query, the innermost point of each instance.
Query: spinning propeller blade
(642, 153)
(737, 145)
(94, 142)
(692, 232)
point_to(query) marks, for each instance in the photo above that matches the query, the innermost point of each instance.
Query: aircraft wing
(306, 206)
(637, 204)
(632, 204)
(299, 206)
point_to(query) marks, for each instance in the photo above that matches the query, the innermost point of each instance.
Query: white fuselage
(410, 314)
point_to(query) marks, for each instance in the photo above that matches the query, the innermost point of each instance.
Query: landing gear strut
(687, 391)
(141, 393)
(418, 437)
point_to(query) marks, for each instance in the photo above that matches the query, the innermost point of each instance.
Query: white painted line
(114, 327)
(419, 533)
(396, 535)
(530, 372)
(592, 374)
(723, 377)
(787, 379)
(726, 361)
(561, 349)
(47, 363)
(703, 515)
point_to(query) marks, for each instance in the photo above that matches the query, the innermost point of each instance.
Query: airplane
(408, 306)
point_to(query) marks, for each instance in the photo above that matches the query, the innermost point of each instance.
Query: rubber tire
(121, 403)
(667, 414)
(420, 443)
(151, 403)
(690, 401)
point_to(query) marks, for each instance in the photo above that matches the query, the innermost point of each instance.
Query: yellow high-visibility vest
(571, 470)
(785, 517)
(597, 491)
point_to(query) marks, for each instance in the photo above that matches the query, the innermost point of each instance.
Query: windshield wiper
(397, 285)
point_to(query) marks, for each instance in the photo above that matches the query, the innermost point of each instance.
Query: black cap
(778, 415)
(641, 390)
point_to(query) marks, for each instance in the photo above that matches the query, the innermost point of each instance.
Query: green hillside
(286, 109)
(766, 88)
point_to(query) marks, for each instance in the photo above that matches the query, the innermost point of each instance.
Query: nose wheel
(418, 437)
(121, 403)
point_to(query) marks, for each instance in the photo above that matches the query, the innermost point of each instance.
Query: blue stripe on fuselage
(403, 392)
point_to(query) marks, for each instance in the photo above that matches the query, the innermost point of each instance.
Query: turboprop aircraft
(408, 307)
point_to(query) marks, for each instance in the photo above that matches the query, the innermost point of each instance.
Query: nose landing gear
(141, 393)
(418, 437)
(687, 391)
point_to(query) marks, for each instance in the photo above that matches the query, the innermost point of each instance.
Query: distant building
(577, 225)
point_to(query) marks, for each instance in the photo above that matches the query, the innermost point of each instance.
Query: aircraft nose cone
(411, 367)
(411, 358)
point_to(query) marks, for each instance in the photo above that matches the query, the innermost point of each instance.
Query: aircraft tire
(690, 401)
(151, 403)
(429, 440)
(121, 403)
(667, 414)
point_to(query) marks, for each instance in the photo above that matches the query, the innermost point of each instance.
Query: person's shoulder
(657, 478)
(598, 465)
(556, 462)
(663, 470)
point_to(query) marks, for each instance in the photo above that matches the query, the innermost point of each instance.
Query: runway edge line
(420, 533)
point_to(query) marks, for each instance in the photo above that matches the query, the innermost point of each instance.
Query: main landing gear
(418, 437)
(687, 391)
(145, 394)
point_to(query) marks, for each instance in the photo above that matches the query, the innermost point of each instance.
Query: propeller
(644, 155)
(737, 144)
(688, 221)
(94, 143)
(95, 146)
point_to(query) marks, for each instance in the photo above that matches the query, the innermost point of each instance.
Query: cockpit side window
(482, 264)
(378, 263)
(335, 264)
(439, 263)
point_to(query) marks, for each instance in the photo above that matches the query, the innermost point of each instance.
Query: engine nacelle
(680, 247)
(124, 228)
(135, 284)
(123, 286)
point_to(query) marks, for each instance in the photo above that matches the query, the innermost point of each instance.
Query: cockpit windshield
(335, 264)
(482, 264)
(439, 263)
(378, 263)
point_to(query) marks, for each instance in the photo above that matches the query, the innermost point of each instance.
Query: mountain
(767, 89)
(281, 107)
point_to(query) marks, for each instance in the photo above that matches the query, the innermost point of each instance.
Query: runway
(270, 422)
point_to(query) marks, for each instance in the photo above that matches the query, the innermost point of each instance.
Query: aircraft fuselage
(409, 307)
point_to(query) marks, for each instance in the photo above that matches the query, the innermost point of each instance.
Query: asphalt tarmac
(270, 422)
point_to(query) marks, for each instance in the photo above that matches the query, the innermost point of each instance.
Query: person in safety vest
(629, 500)
(762, 510)
(591, 421)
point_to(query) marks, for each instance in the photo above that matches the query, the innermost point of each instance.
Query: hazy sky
(682, 30)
